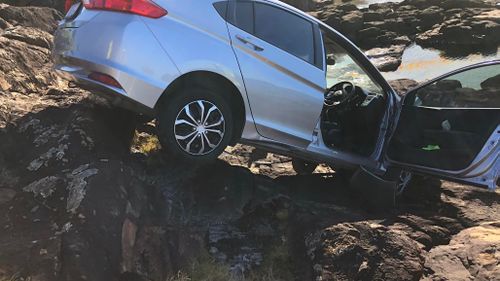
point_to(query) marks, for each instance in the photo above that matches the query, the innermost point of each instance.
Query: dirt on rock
(87, 194)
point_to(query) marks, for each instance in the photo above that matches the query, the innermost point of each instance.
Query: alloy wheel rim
(199, 127)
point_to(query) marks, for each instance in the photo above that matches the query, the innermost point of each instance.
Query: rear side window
(276, 26)
(241, 15)
(285, 30)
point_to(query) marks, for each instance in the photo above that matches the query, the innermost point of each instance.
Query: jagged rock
(56, 4)
(364, 251)
(44, 19)
(386, 59)
(401, 86)
(29, 35)
(473, 254)
(44, 187)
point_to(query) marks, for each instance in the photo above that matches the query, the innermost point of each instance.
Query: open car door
(450, 127)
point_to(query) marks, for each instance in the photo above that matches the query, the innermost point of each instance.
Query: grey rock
(44, 187)
(77, 186)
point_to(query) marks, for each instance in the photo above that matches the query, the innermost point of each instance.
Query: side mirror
(330, 60)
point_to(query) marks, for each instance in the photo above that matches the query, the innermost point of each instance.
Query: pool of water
(365, 3)
(422, 64)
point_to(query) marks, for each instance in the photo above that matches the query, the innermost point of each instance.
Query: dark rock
(448, 85)
(451, 4)
(459, 34)
(304, 5)
(369, 32)
(421, 3)
(353, 251)
(352, 22)
(430, 16)
(373, 16)
(347, 7)
(493, 83)
(6, 195)
(401, 86)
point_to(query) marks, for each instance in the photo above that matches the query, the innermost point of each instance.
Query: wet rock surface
(86, 194)
(457, 28)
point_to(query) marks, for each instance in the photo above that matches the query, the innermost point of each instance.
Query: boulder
(491, 83)
(44, 19)
(473, 254)
(430, 16)
(451, 4)
(351, 22)
(347, 7)
(364, 251)
(459, 34)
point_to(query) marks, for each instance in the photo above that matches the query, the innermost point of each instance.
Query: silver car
(217, 72)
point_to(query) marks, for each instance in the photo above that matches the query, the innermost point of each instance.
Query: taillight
(145, 8)
(67, 5)
(105, 79)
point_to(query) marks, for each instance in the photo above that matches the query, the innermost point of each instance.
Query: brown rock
(473, 254)
(364, 251)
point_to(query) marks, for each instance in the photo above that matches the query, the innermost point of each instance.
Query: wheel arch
(213, 81)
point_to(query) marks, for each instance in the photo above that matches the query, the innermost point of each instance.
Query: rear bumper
(114, 96)
(118, 45)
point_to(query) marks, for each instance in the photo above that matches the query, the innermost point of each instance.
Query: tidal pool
(422, 64)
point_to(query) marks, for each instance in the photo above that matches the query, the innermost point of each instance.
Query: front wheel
(195, 125)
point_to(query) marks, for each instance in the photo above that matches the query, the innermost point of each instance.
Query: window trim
(317, 60)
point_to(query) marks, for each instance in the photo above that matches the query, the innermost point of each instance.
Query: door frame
(480, 172)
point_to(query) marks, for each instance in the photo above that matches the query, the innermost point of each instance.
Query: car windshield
(340, 67)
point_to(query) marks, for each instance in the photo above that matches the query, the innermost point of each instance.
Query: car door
(450, 127)
(280, 57)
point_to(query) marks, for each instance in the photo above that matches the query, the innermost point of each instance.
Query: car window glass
(285, 30)
(340, 67)
(478, 87)
(241, 16)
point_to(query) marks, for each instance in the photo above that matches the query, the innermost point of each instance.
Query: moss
(205, 268)
(145, 143)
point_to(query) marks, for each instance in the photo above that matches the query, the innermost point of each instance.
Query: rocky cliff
(86, 194)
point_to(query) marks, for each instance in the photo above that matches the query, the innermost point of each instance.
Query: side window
(241, 15)
(285, 30)
(473, 88)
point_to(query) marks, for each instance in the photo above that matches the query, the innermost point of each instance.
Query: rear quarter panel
(196, 38)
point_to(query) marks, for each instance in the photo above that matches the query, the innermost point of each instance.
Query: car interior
(354, 103)
(445, 124)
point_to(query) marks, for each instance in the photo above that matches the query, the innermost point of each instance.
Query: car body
(264, 73)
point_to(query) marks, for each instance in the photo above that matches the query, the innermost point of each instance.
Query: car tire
(302, 167)
(182, 132)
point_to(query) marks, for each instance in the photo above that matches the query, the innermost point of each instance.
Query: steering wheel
(340, 94)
